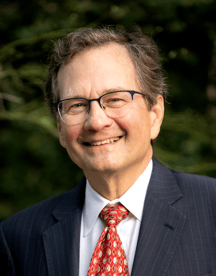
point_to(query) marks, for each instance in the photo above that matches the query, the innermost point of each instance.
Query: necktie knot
(113, 214)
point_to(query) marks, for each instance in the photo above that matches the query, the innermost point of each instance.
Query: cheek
(137, 124)
(124, 124)
(136, 119)
(71, 134)
(130, 128)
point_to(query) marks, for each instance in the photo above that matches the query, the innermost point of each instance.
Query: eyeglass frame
(132, 92)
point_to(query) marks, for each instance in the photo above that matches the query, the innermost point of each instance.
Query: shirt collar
(133, 200)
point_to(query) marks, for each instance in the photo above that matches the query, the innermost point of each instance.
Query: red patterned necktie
(109, 258)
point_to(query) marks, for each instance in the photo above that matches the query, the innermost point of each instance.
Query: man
(108, 93)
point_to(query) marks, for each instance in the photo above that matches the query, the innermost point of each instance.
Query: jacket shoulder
(39, 215)
(197, 188)
(195, 179)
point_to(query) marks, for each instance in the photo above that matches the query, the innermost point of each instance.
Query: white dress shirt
(128, 229)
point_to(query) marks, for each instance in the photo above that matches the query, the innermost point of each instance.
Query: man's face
(91, 74)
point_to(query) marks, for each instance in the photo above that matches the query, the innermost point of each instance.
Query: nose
(96, 119)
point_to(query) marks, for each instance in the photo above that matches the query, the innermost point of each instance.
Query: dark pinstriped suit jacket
(177, 234)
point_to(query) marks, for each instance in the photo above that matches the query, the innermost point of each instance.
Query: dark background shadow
(33, 164)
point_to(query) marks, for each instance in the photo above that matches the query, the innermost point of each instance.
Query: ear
(157, 115)
(61, 134)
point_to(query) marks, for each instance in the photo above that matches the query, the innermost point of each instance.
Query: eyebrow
(77, 96)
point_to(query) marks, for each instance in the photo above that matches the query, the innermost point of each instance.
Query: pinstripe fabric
(177, 234)
(43, 239)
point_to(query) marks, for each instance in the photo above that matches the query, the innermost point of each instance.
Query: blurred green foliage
(33, 164)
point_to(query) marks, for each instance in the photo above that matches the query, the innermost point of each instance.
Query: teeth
(107, 141)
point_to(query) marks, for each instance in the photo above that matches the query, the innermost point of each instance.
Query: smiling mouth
(107, 141)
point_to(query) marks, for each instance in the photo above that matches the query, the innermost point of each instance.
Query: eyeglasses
(115, 104)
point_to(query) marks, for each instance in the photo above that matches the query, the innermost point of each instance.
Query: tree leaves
(34, 165)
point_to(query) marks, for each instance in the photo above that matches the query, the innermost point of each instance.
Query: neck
(112, 185)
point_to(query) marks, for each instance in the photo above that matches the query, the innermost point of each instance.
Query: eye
(114, 102)
(74, 106)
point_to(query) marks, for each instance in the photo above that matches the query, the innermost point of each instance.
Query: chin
(103, 167)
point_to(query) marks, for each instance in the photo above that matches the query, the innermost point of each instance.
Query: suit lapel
(160, 230)
(61, 241)
(161, 226)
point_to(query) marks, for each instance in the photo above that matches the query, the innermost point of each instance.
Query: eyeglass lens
(114, 104)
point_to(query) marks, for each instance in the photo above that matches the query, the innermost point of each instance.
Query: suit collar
(72, 199)
(161, 226)
(61, 240)
(163, 184)
(160, 230)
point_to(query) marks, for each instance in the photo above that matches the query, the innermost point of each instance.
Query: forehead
(96, 70)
